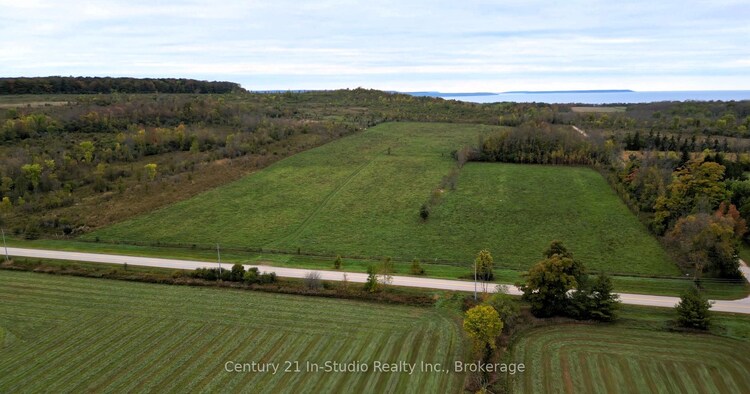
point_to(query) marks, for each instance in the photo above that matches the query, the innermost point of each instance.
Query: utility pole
(218, 254)
(7, 259)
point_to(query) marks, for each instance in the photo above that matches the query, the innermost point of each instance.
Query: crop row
(578, 358)
(91, 335)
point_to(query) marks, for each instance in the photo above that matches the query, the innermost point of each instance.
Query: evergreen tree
(693, 310)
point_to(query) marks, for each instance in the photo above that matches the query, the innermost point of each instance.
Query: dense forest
(92, 85)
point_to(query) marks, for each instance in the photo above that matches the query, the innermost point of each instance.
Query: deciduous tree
(482, 323)
(547, 283)
(698, 184)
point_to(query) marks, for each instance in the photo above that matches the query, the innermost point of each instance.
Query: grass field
(604, 359)
(66, 334)
(351, 197)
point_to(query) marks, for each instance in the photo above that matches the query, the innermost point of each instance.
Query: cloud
(425, 45)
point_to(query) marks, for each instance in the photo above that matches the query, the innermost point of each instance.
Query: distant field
(598, 109)
(351, 197)
(33, 104)
(66, 334)
(602, 359)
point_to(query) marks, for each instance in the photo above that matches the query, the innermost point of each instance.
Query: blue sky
(450, 46)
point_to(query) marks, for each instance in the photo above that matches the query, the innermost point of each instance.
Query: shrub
(337, 263)
(205, 273)
(416, 267)
(371, 285)
(237, 274)
(507, 308)
(267, 277)
(424, 212)
(312, 280)
(251, 275)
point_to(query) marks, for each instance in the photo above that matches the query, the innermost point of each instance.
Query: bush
(424, 212)
(267, 277)
(31, 232)
(237, 274)
(251, 275)
(337, 263)
(416, 267)
(507, 308)
(312, 280)
(371, 285)
(205, 273)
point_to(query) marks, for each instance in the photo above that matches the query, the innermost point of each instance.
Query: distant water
(608, 97)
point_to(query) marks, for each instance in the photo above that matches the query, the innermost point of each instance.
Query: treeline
(699, 206)
(659, 142)
(539, 144)
(731, 119)
(93, 85)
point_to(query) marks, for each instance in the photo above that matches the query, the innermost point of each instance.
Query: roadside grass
(77, 334)
(638, 353)
(361, 195)
(715, 289)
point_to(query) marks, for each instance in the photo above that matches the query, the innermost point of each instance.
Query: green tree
(6, 205)
(507, 308)
(547, 283)
(372, 285)
(337, 263)
(150, 171)
(482, 323)
(416, 267)
(557, 247)
(238, 273)
(483, 265)
(693, 310)
(595, 300)
(87, 151)
(32, 172)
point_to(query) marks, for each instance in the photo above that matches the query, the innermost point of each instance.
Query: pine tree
(693, 310)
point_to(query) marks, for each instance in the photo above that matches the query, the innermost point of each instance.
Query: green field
(66, 334)
(360, 196)
(604, 359)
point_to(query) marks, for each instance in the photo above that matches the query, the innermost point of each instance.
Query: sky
(447, 46)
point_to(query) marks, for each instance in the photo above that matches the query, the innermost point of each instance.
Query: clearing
(361, 195)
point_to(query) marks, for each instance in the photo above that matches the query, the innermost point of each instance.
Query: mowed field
(67, 334)
(360, 196)
(600, 359)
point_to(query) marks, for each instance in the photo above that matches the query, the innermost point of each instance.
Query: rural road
(737, 306)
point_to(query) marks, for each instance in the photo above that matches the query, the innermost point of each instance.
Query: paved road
(738, 306)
